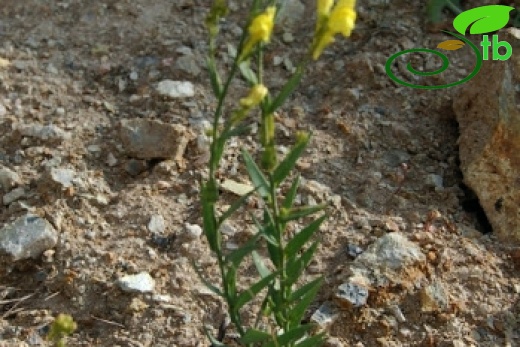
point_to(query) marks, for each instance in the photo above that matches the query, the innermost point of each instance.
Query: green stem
(454, 8)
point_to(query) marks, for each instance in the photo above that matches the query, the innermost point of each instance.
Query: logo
(480, 21)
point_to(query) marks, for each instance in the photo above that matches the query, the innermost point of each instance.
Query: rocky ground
(89, 106)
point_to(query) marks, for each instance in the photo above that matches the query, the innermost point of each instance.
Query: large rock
(490, 140)
(148, 139)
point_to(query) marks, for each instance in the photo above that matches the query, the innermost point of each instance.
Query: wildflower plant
(283, 300)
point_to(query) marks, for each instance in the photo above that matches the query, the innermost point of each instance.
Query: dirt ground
(384, 155)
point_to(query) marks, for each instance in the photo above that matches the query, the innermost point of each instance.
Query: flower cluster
(259, 31)
(332, 19)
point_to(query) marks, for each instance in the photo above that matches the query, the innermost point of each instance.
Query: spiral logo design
(445, 65)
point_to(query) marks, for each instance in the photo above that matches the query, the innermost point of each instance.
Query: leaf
(238, 255)
(266, 231)
(209, 219)
(302, 237)
(235, 206)
(451, 45)
(314, 341)
(230, 283)
(483, 19)
(260, 265)
(291, 194)
(254, 336)
(287, 89)
(292, 335)
(247, 73)
(214, 78)
(284, 168)
(250, 293)
(304, 296)
(300, 212)
(256, 175)
(236, 131)
(296, 266)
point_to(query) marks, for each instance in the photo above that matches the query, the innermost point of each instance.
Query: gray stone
(291, 13)
(175, 89)
(396, 157)
(62, 177)
(352, 293)
(135, 167)
(156, 224)
(140, 283)
(50, 133)
(13, 195)
(435, 181)
(325, 315)
(28, 237)
(8, 178)
(192, 231)
(434, 298)
(147, 139)
(489, 123)
(393, 251)
(188, 63)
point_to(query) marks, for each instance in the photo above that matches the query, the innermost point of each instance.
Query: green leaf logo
(482, 19)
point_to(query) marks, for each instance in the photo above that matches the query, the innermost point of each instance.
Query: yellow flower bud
(255, 96)
(260, 30)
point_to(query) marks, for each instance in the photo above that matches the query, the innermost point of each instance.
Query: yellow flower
(342, 20)
(260, 30)
(324, 7)
(338, 20)
(255, 96)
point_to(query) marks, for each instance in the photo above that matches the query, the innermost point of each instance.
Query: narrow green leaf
(287, 89)
(290, 336)
(238, 255)
(209, 221)
(250, 293)
(270, 231)
(300, 212)
(230, 283)
(236, 131)
(267, 231)
(291, 194)
(297, 242)
(288, 163)
(214, 77)
(247, 73)
(313, 341)
(303, 297)
(254, 336)
(260, 265)
(205, 281)
(256, 175)
(295, 266)
(234, 207)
